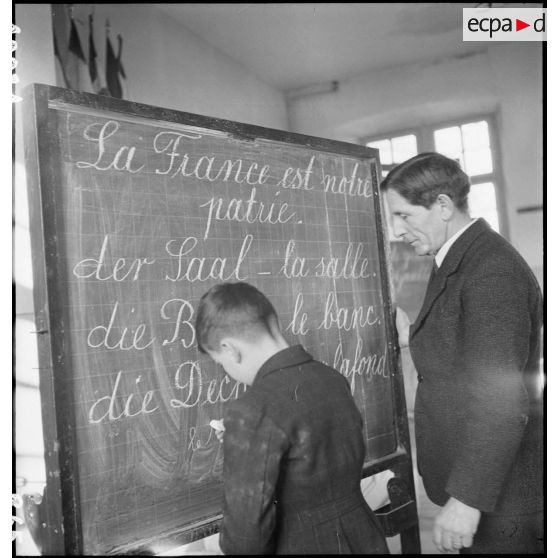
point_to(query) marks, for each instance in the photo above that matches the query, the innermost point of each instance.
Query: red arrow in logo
(519, 25)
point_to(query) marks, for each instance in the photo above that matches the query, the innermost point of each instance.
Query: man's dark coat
(294, 452)
(476, 347)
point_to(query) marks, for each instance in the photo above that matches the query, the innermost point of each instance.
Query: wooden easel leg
(410, 540)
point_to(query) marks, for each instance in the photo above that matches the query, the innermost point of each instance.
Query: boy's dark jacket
(476, 347)
(294, 453)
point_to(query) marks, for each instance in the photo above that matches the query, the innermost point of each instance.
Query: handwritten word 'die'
(114, 337)
(111, 405)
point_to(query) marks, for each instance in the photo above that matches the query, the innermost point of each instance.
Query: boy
(293, 443)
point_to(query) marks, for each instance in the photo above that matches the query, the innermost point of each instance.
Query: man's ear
(231, 348)
(447, 207)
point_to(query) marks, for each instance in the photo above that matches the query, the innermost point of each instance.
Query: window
(468, 142)
(395, 150)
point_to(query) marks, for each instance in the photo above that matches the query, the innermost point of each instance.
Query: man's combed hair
(423, 178)
(233, 310)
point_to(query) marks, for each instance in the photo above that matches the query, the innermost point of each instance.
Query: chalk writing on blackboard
(149, 217)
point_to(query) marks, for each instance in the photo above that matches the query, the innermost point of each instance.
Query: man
(293, 443)
(476, 347)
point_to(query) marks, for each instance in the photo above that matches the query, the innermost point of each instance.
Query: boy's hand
(219, 428)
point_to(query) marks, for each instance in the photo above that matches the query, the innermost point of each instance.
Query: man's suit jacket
(293, 458)
(476, 347)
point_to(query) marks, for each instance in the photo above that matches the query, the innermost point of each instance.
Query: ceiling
(292, 45)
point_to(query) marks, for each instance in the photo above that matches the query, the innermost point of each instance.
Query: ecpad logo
(493, 25)
(504, 24)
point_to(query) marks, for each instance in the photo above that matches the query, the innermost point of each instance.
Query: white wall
(168, 66)
(505, 80)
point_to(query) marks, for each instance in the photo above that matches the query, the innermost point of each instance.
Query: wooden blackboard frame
(63, 532)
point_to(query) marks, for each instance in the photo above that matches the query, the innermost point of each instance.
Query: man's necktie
(433, 272)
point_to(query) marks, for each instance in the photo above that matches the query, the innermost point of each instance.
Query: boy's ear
(231, 348)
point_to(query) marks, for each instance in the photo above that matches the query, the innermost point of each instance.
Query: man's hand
(402, 323)
(455, 526)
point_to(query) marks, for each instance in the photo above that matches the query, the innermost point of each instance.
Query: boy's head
(237, 327)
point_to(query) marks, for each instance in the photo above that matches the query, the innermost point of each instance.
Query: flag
(93, 73)
(114, 69)
(120, 56)
(82, 79)
(61, 78)
(75, 44)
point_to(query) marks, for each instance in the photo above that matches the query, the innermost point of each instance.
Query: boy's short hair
(233, 310)
(421, 179)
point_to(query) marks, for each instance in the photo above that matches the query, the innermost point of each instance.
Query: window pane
(404, 147)
(482, 196)
(385, 150)
(475, 135)
(478, 161)
(448, 141)
(492, 218)
(482, 203)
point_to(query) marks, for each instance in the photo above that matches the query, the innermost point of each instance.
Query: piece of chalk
(218, 425)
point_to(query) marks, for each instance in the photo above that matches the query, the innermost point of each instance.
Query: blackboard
(135, 212)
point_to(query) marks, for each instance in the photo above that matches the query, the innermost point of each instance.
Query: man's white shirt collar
(442, 252)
